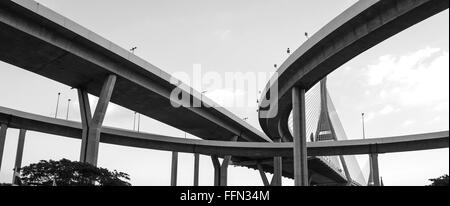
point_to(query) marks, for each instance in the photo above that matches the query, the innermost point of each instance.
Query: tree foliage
(68, 173)
(5, 184)
(441, 181)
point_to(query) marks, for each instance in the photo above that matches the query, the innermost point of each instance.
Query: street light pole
(68, 107)
(139, 123)
(134, 121)
(57, 105)
(133, 49)
(363, 126)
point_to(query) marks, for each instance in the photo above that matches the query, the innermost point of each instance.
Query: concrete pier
(92, 125)
(19, 156)
(3, 130)
(300, 151)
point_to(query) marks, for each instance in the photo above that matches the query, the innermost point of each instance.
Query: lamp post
(134, 121)
(133, 49)
(57, 105)
(68, 107)
(139, 123)
(363, 126)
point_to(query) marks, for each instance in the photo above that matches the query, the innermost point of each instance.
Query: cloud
(371, 116)
(391, 68)
(223, 34)
(387, 110)
(416, 79)
(408, 123)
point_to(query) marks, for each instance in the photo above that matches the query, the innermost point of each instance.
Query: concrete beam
(196, 169)
(174, 170)
(91, 144)
(256, 151)
(300, 151)
(3, 131)
(19, 156)
(262, 152)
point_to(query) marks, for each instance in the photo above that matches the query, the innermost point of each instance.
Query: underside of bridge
(323, 125)
(41, 41)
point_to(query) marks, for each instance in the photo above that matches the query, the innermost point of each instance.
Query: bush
(441, 181)
(68, 173)
(5, 184)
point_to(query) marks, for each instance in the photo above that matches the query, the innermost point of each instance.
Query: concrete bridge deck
(359, 28)
(22, 120)
(40, 40)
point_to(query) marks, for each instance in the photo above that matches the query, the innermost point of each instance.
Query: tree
(68, 173)
(441, 181)
(5, 184)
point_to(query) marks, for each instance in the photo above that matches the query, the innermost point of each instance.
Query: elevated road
(254, 150)
(359, 28)
(40, 40)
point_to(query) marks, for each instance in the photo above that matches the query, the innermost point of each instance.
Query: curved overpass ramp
(362, 26)
(245, 154)
(254, 150)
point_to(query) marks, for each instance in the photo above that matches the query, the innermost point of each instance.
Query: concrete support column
(300, 150)
(174, 173)
(221, 170)
(196, 169)
(19, 156)
(263, 175)
(375, 169)
(224, 167)
(3, 130)
(277, 179)
(92, 125)
(217, 170)
(224, 171)
(86, 116)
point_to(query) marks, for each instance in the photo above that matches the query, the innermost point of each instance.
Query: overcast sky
(402, 84)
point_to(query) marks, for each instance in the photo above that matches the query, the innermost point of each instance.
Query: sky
(401, 84)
